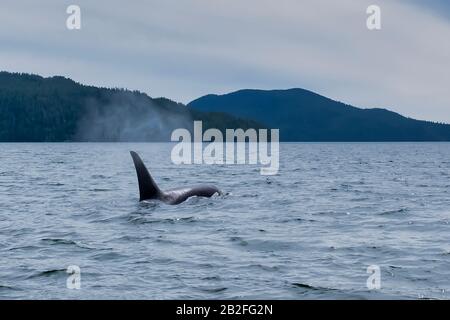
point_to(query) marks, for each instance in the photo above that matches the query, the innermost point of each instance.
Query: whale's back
(177, 196)
(148, 188)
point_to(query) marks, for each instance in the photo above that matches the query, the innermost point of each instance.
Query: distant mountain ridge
(303, 115)
(55, 109)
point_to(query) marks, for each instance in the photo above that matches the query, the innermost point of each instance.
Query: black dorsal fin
(147, 186)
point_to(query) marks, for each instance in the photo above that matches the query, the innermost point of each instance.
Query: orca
(149, 190)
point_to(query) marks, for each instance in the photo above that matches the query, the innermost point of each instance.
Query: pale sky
(183, 49)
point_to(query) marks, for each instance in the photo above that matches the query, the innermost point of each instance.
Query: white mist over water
(130, 117)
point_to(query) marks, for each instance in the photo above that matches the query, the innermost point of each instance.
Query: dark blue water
(309, 232)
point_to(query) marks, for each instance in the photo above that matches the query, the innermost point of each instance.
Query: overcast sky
(183, 49)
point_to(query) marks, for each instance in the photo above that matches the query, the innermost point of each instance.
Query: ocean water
(308, 233)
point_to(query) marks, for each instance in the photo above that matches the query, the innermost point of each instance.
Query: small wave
(7, 288)
(308, 287)
(262, 245)
(48, 273)
(212, 278)
(162, 240)
(150, 220)
(300, 220)
(254, 195)
(213, 290)
(388, 212)
(65, 242)
(149, 204)
(25, 248)
(131, 238)
(266, 268)
(59, 241)
(360, 199)
(304, 286)
(98, 176)
(239, 241)
(108, 256)
(303, 220)
(330, 213)
(53, 184)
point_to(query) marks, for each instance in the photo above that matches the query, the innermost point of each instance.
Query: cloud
(438, 7)
(184, 49)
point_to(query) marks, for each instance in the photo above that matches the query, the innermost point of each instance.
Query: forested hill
(37, 109)
(302, 115)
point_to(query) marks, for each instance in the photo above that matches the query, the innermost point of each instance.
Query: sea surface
(310, 232)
